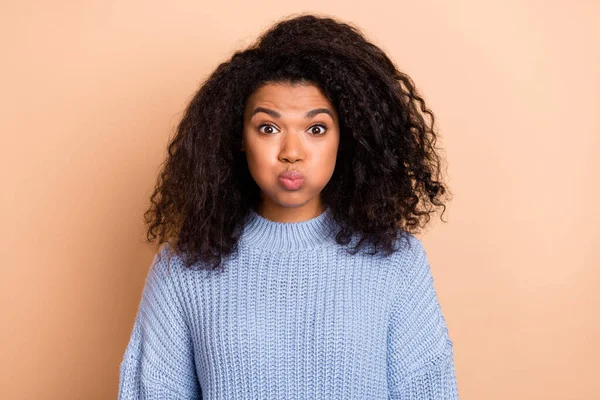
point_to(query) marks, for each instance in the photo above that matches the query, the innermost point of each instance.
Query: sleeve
(420, 353)
(158, 362)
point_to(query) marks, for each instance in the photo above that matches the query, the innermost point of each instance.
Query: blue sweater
(293, 315)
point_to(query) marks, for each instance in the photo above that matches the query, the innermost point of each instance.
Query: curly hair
(387, 178)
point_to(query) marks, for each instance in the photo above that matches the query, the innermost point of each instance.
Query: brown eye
(318, 129)
(267, 126)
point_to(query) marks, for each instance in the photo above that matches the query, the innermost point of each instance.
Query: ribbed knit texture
(292, 316)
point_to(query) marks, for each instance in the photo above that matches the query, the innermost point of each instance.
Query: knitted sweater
(293, 315)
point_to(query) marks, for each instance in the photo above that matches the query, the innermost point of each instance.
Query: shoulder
(410, 253)
(168, 281)
(409, 263)
(167, 266)
(411, 247)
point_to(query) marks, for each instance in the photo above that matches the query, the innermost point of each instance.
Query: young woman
(286, 210)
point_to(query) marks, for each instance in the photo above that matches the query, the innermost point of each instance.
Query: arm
(420, 352)
(158, 362)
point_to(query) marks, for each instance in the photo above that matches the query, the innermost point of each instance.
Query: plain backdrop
(91, 92)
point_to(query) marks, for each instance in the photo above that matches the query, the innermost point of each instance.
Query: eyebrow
(309, 114)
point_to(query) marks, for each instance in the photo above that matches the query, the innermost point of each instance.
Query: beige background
(92, 90)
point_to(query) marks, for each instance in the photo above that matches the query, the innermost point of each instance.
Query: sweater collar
(260, 232)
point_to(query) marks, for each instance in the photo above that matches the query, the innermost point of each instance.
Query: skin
(290, 141)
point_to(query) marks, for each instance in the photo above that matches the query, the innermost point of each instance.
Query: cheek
(260, 163)
(328, 155)
(261, 156)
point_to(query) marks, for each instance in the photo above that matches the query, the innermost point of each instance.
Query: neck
(275, 212)
(261, 232)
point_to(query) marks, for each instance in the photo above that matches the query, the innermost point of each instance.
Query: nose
(292, 148)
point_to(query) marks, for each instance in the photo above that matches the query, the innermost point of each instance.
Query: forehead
(283, 96)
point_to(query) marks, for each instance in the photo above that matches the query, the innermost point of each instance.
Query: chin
(291, 199)
(291, 203)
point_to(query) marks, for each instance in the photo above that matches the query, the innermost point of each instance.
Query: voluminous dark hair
(387, 179)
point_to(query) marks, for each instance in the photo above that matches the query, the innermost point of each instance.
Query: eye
(266, 126)
(322, 127)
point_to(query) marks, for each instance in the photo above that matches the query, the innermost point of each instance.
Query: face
(290, 129)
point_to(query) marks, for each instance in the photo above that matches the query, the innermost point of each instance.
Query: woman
(287, 208)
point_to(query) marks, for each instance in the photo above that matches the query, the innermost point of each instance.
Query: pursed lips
(291, 175)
